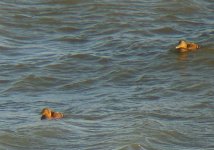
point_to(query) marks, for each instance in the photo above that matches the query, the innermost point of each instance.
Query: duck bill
(178, 47)
(43, 117)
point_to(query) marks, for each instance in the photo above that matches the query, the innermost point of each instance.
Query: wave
(83, 84)
(34, 83)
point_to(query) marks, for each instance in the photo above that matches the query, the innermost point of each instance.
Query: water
(111, 68)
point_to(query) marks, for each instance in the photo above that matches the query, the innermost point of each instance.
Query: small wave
(168, 116)
(80, 84)
(89, 117)
(194, 87)
(86, 57)
(120, 75)
(83, 56)
(132, 147)
(4, 47)
(72, 39)
(169, 138)
(202, 105)
(9, 140)
(62, 2)
(32, 82)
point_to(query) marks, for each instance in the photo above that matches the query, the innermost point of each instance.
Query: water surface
(111, 68)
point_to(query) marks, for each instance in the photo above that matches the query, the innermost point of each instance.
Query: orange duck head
(184, 46)
(48, 113)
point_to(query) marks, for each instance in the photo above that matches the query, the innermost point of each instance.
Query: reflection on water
(111, 67)
(183, 56)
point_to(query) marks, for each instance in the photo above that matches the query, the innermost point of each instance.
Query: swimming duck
(185, 46)
(49, 114)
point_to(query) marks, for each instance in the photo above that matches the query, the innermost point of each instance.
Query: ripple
(63, 2)
(85, 58)
(122, 76)
(132, 147)
(80, 84)
(203, 105)
(72, 39)
(193, 87)
(35, 83)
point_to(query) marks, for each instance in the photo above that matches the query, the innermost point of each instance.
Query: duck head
(46, 113)
(182, 45)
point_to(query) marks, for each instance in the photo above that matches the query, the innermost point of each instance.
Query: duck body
(184, 46)
(49, 114)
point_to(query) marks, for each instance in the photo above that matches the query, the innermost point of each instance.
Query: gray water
(112, 69)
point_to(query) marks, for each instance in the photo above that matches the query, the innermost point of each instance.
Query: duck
(184, 46)
(49, 114)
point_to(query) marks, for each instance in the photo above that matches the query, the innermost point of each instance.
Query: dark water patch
(63, 2)
(152, 97)
(49, 21)
(4, 81)
(105, 60)
(186, 7)
(166, 30)
(80, 56)
(16, 68)
(68, 29)
(168, 17)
